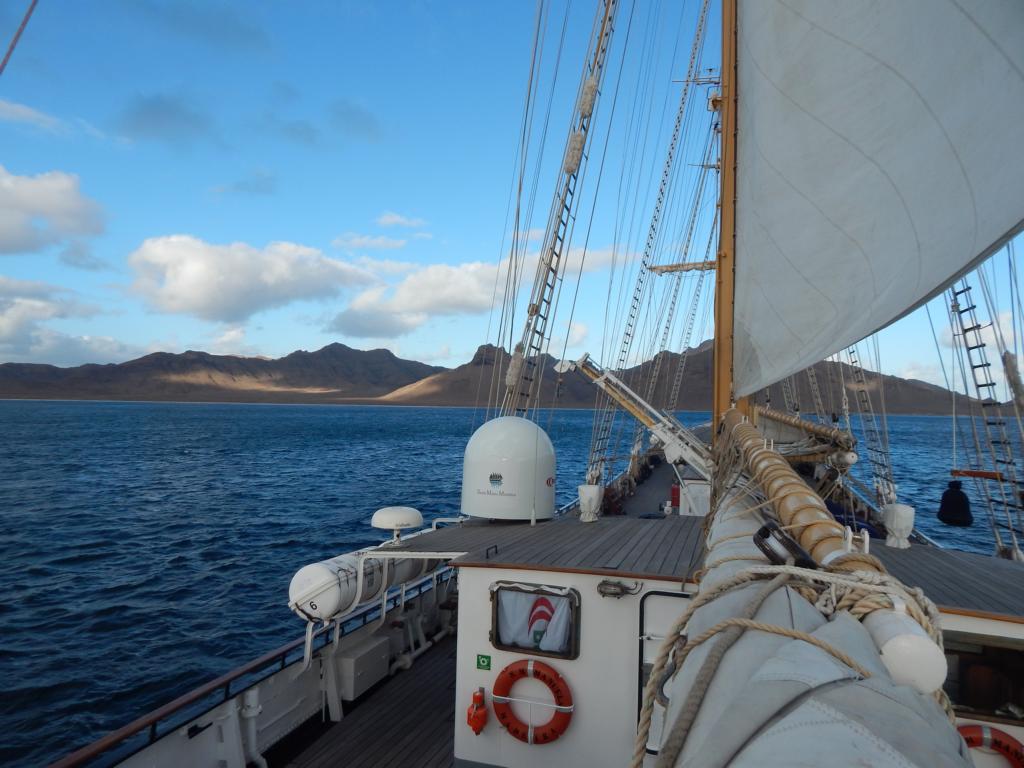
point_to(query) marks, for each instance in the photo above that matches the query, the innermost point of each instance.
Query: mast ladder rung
(965, 310)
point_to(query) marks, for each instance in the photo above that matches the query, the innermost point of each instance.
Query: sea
(146, 548)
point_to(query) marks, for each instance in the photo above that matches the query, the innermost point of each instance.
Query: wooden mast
(725, 282)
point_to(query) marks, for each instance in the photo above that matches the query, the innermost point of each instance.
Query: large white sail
(880, 154)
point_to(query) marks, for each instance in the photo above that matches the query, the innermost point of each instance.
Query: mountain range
(340, 374)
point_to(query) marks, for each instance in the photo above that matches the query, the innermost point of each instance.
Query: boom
(678, 443)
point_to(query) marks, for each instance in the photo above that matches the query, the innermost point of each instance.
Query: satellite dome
(509, 471)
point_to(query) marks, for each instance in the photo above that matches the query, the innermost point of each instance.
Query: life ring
(553, 728)
(993, 738)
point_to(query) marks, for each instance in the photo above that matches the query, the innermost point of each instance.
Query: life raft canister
(993, 738)
(563, 706)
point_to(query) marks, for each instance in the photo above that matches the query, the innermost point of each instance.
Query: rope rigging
(604, 417)
(522, 379)
(17, 35)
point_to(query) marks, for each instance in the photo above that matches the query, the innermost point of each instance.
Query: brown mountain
(332, 374)
(340, 374)
(475, 383)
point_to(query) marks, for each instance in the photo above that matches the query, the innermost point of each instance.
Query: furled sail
(880, 154)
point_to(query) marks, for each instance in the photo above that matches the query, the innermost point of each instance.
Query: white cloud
(39, 211)
(353, 241)
(577, 334)
(532, 235)
(988, 334)
(392, 219)
(232, 341)
(370, 316)
(182, 274)
(423, 236)
(444, 290)
(385, 266)
(922, 372)
(24, 308)
(12, 112)
(431, 291)
(596, 259)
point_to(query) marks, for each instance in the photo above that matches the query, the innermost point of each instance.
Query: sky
(263, 177)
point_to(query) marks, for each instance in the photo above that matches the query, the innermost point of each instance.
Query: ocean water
(147, 548)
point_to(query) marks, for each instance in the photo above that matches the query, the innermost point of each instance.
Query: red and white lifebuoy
(563, 706)
(993, 738)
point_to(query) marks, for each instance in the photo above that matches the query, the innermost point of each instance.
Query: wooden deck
(407, 722)
(962, 581)
(671, 548)
(652, 493)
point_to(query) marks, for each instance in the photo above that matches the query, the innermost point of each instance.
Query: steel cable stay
(985, 418)
(515, 193)
(597, 468)
(958, 427)
(593, 207)
(521, 378)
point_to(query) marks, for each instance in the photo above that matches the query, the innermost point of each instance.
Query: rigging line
(881, 398)
(671, 298)
(951, 386)
(535, 184)
(597, 186)
(540, 157)
(628, 174)
(519, 243)
(599, 445)
(17, 36)
(1002, 436)
(641, 141)
(518, 162)
(621, 263)
(980, 486)
(521, 384)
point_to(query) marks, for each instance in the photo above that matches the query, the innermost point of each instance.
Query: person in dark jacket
(955, 507)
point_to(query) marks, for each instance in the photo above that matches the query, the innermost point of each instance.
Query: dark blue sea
(147, 548)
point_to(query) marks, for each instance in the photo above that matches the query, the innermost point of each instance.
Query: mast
(725, 284)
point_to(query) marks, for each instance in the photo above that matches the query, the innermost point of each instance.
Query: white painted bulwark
(509, 471)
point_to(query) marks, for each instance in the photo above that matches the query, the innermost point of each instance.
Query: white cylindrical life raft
(321, 591)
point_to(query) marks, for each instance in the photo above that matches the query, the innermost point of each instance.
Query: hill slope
(331, 374)
(340, 374)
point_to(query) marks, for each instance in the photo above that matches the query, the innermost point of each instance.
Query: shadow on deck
(408, 721)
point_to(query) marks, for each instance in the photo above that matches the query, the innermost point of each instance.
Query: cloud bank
(39, 211)
(181, 274)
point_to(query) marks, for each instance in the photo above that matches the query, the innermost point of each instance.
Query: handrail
(153, 718)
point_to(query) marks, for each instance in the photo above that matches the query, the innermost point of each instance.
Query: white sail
(880, 155)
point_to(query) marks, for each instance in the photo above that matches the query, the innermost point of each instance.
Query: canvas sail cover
(880, 153)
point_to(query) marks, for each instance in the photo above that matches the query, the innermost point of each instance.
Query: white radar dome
(397, 519)
(509, 471)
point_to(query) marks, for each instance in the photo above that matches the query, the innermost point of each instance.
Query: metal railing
(162, 720)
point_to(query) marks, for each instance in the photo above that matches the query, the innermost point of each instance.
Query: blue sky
(262, 177)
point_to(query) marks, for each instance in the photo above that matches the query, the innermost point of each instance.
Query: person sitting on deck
(955, 507)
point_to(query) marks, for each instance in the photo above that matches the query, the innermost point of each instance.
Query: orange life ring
(553, 728)
(993, 738)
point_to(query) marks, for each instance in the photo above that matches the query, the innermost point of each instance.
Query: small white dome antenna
(396, 520)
